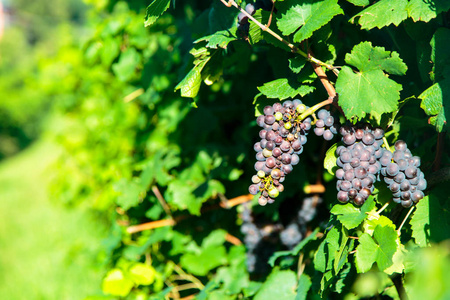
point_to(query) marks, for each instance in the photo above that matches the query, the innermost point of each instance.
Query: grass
(47, 251)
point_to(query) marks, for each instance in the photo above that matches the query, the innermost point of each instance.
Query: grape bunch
(282, 139)
(263, 237)
(401, 173)
(326, 125)
(358, 162)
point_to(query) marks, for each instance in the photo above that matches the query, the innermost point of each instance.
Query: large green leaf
(431, 220)
(366, 58)
(307, 15)
(155, 10)
(364, 93)
(380, 249)
(382, 13)
(440, 56)
(190, 85)
(351, 216)
(420, 10)
(279, 285)
(369, 91)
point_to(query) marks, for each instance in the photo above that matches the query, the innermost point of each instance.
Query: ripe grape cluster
(326, 126)
(401, 173)
(282, 139)
(251, 8)
(262, 239)
(358, 162)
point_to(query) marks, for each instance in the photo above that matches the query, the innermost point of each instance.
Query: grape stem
(383, 207)
(386, 144)
(312, 109)
(266, 28)
(404, 220)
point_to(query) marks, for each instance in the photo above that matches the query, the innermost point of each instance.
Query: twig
(324, 79)
(439, 150)
(404, 220)
(314, 189)
(188, 277)
(151, 225)
(232, 239)
(161, 200)
(275, 35)
(386, 144)
(236, 201)
(398, 283)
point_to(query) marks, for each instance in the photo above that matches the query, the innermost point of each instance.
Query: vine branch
(293, 48)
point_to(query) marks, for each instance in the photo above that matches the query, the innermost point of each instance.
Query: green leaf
(440, 56)
(201, 263)
(359, 2)
(380, 249)
(115, 283)
(328, 249)
(420, 223)
(142, 273)
(436, 103)
(351, 216)
(330, 159)
(304, 284)
(296, 250)
(297, 63)
(420, 10)
(190, 85)
(369, 90)
(155, 10)
(255, 33)
(125, 68)
(279, 285)
(284, 88)
(366, 93)
(431, 220)
(219, 39)
(382, 13)
(366, 58)
(307, 15)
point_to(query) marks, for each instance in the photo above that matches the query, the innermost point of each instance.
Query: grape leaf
(125, 68)
(284, 88)
(369, 90)
(351, 216)
(420, 223)
(142, 273)
(420, 10)
(116, 283)
(366, 58)
(304, 284)
(155, 10)
(380, 249)
(366, 92)
(279, 285)
(308, 15)
(436, 103)
(219, 39)
(190, 85)
(330, 159)
(359, 2)
(382, 13)
(431, 220)
(297, 63)
(440, 56)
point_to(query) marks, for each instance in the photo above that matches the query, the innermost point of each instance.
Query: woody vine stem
(294, 48)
